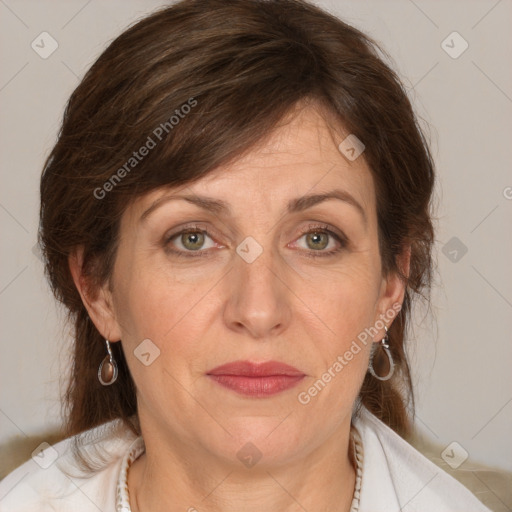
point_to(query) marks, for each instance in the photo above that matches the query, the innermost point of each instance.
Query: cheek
(154, 303)
(344, 295)
(339, 305)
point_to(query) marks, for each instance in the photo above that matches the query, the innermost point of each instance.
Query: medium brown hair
(241, 66)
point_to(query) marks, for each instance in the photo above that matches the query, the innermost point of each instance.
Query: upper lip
(253, 369)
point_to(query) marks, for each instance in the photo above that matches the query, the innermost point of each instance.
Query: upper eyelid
(199, 226)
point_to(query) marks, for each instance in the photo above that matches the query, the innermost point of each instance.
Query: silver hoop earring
(384, 344)
(107, 372)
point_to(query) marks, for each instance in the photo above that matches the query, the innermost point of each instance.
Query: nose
(258, 302)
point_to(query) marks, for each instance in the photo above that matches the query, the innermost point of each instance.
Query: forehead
(300, 157)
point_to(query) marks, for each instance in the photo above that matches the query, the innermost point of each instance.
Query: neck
(178, 480)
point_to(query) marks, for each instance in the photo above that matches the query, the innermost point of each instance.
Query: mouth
(258, 380)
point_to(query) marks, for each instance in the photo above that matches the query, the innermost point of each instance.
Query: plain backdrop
(460, 351)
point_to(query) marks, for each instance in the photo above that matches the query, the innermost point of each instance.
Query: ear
(97, 299)
(393, 291)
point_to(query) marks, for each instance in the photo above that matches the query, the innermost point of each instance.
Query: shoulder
(55, 481)
(397, 477)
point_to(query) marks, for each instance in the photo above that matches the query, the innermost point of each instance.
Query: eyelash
(312, 228)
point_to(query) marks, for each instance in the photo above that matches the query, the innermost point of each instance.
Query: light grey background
(461, 353)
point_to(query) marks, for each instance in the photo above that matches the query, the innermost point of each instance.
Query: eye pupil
(316, 238)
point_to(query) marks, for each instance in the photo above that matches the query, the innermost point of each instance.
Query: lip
(256, 379)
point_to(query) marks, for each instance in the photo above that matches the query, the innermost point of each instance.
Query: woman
(237, 216)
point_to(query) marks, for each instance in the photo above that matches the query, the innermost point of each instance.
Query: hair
(200, 83)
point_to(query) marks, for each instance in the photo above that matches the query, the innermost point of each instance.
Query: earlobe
(97, 300)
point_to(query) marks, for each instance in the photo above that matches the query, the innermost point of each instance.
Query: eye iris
(316, 238)
(196, 240)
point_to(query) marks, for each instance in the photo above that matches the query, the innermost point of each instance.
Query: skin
(206, 311)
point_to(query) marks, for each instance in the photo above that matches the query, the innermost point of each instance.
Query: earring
(107, 372)
(384, 344)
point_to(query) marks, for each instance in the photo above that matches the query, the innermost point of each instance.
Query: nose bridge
(258, 300)
(256, 263)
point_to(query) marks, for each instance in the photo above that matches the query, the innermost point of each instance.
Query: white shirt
(394, 476)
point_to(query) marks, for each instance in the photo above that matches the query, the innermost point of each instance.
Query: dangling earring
(107, 372)
(384, 343)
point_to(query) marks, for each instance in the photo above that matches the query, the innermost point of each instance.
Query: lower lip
(258, 387)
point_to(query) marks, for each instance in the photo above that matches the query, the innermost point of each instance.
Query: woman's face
(247, 283)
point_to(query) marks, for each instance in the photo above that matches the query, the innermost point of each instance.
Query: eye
(321, 240)
(193, 239)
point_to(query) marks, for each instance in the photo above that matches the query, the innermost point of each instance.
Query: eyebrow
(299, 204)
